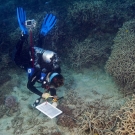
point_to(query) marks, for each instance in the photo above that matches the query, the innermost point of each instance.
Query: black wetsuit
(39, 66)
(36, 77)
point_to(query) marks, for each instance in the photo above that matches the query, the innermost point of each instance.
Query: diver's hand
(54, 104)
(46, 95)
(55, 99)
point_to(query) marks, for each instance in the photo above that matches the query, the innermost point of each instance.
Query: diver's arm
(58, 69)
(52, 91)
(31, 83)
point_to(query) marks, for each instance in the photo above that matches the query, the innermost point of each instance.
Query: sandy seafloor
(89, 84)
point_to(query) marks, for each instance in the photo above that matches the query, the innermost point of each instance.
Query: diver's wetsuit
(39, 66)
(36, 77)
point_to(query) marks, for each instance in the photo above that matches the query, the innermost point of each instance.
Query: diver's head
(56, 80)
(50, 57)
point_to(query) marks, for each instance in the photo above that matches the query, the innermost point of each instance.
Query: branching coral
(121, 63)
(100, 118)
(90, 118)
(66, 119)
(87, 52)
(96, 120)
(85, 11)
(126, 119)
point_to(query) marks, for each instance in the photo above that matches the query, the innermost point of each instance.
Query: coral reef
(88, 52)
(83, 11)
(79, 117)
(121, 63)
(97, 119)
(65, 119)
(88, 118)
(126, 118)
(87, 16)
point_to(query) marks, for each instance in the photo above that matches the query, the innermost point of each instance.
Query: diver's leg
(18, 50)
(40, 41)
(19, 45)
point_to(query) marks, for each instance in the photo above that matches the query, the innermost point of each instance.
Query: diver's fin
(21, 16)
(48, 23)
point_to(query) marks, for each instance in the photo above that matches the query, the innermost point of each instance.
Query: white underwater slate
(49, 110)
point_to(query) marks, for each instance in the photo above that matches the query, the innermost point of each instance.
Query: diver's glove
(21, 16)
(55, 102)
(48, 23)
(46, 95)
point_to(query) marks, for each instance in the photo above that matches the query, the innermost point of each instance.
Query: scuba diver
(42, 65)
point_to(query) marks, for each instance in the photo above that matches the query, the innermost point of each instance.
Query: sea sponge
(121, 63)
